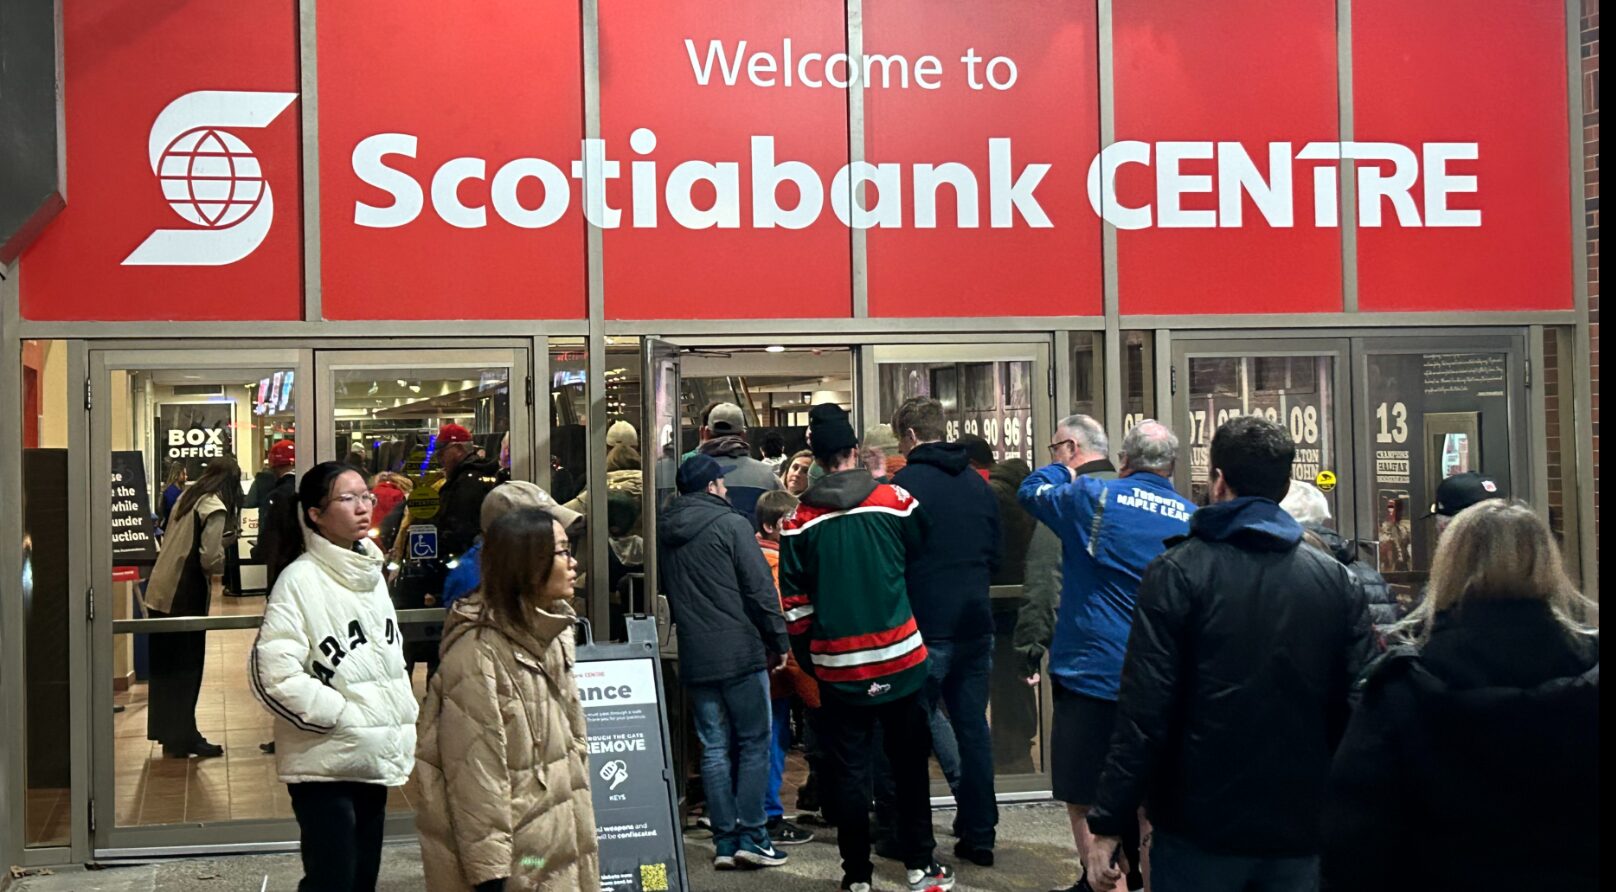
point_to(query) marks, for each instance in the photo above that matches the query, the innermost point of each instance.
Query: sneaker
(855, 887)
(981, 857)
(725, 857)
(786, 833)
(936, 878)
(754, 854)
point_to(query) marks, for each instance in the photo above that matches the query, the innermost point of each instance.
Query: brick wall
(1590, 142)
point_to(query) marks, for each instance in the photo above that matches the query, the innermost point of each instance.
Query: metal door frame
(1217, 345)
(107, 840)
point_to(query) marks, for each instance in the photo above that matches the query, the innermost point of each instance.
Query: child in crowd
(773, 508)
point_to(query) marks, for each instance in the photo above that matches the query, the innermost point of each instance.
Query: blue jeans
(1179, 866)
(957, 675)
(734, 715)
(779, 742)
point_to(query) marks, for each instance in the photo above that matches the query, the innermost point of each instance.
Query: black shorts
(1080, 738)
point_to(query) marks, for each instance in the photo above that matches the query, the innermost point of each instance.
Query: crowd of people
(1239, 702)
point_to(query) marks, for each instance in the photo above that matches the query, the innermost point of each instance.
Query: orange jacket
(790, 681)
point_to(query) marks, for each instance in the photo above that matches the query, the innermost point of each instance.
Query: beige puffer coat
(503, 761)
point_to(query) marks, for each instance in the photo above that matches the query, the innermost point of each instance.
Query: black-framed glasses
(1055, 446)
(564, 552)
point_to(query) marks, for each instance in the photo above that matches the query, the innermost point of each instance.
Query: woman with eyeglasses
(329, 664)
(503, 761)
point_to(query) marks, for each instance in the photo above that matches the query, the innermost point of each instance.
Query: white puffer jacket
(329, 663)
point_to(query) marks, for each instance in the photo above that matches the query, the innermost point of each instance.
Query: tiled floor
(152, 789)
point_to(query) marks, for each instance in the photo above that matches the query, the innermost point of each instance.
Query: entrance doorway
(159, 419)
(1001, 392)
(1388, 417)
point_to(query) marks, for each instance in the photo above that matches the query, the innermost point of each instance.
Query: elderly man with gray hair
(1109, 531)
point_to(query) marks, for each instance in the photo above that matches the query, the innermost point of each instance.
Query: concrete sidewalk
(1033, 855)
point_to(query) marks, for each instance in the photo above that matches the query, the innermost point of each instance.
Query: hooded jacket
(949, 578)
(1377, 594)
(1234, 689)
(201, 529)
(502, 765)
(1472, 763)
(1110, 530)
(842, 560)
(725, 606)
(745, 477)
(329, 664)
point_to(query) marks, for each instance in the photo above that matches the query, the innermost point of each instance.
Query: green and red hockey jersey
(842, 560)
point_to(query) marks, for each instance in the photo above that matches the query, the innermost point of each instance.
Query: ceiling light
(774, 348)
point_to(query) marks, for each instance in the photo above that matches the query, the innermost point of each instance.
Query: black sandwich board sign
(631, 776)
(131, 510)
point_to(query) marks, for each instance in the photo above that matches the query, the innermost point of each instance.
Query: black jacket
(949, 579)
(721, 590)
(460, 505)
(1234, 689)
(280, 528)
(1473, 763)
(1377, 593)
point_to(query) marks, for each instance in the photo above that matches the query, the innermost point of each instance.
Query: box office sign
(634, 818)
(194, 434)
(722, 169)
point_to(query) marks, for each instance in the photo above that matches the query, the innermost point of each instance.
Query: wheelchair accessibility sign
(423, 543)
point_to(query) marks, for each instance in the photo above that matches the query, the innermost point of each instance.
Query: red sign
(1487, 93)
(724, 135)
(184, 193)
(984, 129)
(1222, 96)
(456, 183)
(445, 188)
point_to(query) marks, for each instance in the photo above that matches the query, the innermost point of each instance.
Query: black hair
(222, 478)
(315, 487)
(1254, 455)
(773, 444)
(978, 449)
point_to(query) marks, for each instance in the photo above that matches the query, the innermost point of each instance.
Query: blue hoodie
(1110, 530)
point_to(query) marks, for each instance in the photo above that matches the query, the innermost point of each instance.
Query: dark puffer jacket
(721, 590)
(949, 579)
(1234, 689)
(1473, 764)
(1377, 594)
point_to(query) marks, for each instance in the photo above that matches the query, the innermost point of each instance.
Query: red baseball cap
(452, 433)
(284, 452)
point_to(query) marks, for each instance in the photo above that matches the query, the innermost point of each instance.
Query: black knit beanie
(829, 431)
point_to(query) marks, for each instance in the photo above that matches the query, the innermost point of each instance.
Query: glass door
(662, 419)
(1431, 408)
(1296, 383)
(176, 731)
(394, 416)
(1002, 393)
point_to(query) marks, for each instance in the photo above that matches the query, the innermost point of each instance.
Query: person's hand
(1033, 680)
(778, 663)
(429, 600)
(1099, 871)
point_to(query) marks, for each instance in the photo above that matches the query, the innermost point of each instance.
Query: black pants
(849, 735)
(340, 825)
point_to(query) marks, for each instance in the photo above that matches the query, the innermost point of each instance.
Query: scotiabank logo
(210, 178)
(908, 195)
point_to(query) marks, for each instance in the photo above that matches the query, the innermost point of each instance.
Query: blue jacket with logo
(1110, 530)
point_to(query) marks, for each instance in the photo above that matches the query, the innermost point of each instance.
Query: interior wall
(53, 397)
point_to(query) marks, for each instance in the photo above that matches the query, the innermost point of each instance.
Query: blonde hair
(1496, 550)
(399, 480)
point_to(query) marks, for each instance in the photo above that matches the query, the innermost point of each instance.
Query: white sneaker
(856, 887)
(937, 878)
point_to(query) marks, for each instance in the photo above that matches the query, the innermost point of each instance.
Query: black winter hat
(829, 431)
